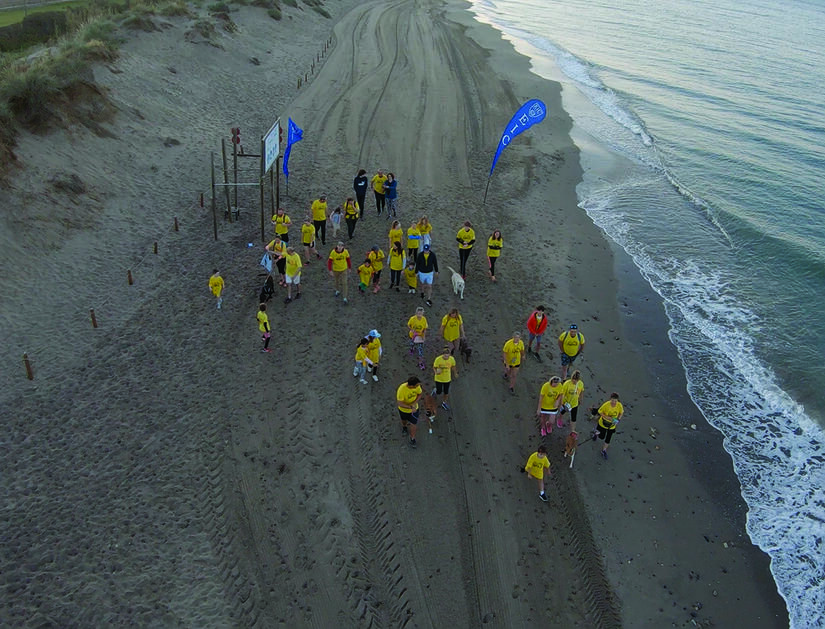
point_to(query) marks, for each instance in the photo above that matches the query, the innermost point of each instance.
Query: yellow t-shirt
(374, 350)
(397, 260)
(571, 392)
(408, 395)
(443, 368)
(281, 224)
(307, 235)
(216, 285)
(536, 465)
(339, 260)
(319, 210)
(263, 321)
(413, 237)
(396, 235)
(377, 259)
(513, 351)
(411, 277)
(465, 235)
(351, 210)
(277, 250)
(550, 400)
(417, 326)
(452, 327)
(293, 264)
(494, 247)
(361, 355)
(571, 343)
(365, 274)
(378, 182)
(425, 229)
(612, 412)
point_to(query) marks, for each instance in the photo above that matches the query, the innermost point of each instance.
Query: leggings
(417, 347)
(463, 254)
(351, 226)
(361, 198)
(380, 201)
(395, 278)
(492, 262)
(321, 230)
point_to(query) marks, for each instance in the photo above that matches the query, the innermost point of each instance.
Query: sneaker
(345, 300)
(413, 443)
(431, 431)
(512, 391)
(355, 372)
(219, 303)
(337, 293)
(604, 454)
(529, 350)
(318, 255)
(444, 406)
(543, 497)
(422, 295)
(538, 357)
(559, 422)
(543, 431)
(594, 435)
(429, 302)
(421, 365)
(374, 377)
(362, 381)
(397, 290)
(287, 300)
(411, 291)
(403, 430)
(504, 376)
(266, 349)
(298, 296)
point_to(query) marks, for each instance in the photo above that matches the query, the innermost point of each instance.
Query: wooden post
(235, 168)
(200, 199)
(261, 181)
(226, 179)
(129, 277)
(212, 203)
(177, 227)
(272, 203)
(278, 181)
(155, 248)
(28, 366)
(92, 315)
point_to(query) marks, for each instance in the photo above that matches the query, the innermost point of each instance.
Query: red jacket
(536, 327)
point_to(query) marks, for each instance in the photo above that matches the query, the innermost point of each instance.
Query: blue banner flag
(294, 134)
(531, 112)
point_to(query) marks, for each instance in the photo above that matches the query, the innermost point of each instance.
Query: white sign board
(270, 144)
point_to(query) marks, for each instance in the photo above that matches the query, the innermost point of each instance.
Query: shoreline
(191, 438)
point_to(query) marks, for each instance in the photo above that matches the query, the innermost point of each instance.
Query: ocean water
(720, 108)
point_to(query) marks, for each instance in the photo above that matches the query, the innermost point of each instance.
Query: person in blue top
(391, 194)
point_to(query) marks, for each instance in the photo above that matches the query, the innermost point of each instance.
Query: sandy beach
(161, 471)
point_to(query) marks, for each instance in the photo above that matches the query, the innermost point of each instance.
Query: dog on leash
(458, 282)
(430, 406)
(465, 350)
(570, 446)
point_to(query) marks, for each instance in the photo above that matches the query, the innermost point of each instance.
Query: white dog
(458, 282)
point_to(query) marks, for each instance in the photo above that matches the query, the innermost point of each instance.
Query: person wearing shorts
(547, 410)
(571, 345)
(512, 354)
(426, 265)
(444, 370)
(308, 240)
(609, 415)
(406, 397)
(538, 466)
(536, 325)
(292, 274)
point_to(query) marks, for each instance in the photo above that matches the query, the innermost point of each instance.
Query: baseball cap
(573, 326)
(426, 247)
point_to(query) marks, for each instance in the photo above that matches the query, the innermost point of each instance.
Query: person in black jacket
(360, 184)
(426, 265)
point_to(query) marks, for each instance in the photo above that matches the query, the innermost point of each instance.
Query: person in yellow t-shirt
(362, 360)
(407, 396)
(425, 228)
(452, 329)
(263, 326)
(398, 260)
(277, 251)
(494, 245)
(444, 370)
(413, 240)
(466, 238)
(417, 325)
(377, 257)
(319, 217)
(216, 286)
(374, 352)
(571, 397)
(549, 404)
(538, 466)
(609, 415)
(308, 240)
(396, 235)
(365, 273)
(292, 274)
(512, 354)
(378, 181)
(411, 276)
(282, 223)
(352, 212)
(339, 265)
(571, 345)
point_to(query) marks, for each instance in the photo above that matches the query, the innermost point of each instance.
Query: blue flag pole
(530, 113)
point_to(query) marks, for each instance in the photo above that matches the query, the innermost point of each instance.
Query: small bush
(205, 27)
(274, 13)
(29, 96)
(218, 7)
(172, 9)
(321, 11)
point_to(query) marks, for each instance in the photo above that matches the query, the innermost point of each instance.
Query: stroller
(268, 289)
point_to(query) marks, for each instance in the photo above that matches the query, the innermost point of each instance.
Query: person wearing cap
(406, 397)
(376, 256)
(466, 238)
(378, 181)
(374, 352)
(339, 265)
(444, 370)
(536, 325)
(571, 344)
(319, 217)
(512, 354)
(426, 266)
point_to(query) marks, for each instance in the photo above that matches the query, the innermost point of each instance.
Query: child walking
(538, 466)
(335, 219)
(263, 326)
(411, 277)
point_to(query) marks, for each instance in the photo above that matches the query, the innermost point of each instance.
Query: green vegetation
(15, 16)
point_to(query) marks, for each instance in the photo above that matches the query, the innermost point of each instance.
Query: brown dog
(570, 446)
(465, 350)
(429, 402)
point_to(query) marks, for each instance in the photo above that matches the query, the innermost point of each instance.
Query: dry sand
(161, 471)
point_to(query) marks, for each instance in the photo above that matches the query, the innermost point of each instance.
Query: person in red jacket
(536, 325)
